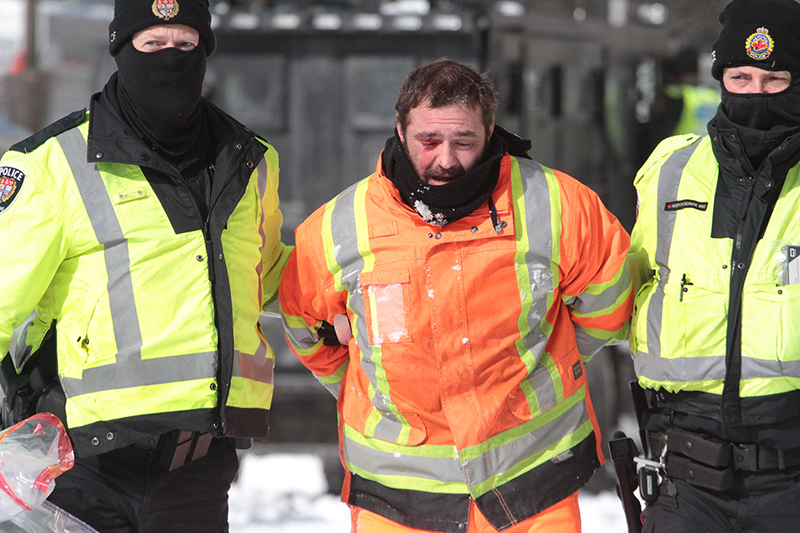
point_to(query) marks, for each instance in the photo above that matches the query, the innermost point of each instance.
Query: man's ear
(491, 129)
(400, 131)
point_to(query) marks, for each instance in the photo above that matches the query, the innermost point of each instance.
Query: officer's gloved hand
(338, 333)
(327, 333)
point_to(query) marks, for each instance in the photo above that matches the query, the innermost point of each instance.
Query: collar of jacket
(501, 197)
(737, 180)
(733, 161)
(111, 140)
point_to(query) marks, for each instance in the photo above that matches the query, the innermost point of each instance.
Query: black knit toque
(758, 33)
(133, 16)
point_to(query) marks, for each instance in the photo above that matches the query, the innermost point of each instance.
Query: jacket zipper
(742, 220)
(219, 423)
(732, 406)
(224, 375)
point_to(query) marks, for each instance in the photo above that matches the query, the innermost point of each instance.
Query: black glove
(327, 333)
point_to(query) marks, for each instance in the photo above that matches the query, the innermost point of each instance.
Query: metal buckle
(745, 457)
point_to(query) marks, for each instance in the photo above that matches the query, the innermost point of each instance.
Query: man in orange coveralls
(476, 283)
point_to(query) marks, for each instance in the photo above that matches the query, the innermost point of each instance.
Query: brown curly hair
(442, 83)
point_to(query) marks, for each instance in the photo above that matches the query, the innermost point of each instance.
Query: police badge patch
(759, 45)
(165, 9)
(11, 180)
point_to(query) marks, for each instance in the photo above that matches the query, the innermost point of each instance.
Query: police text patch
(11, 180)
(685, 204)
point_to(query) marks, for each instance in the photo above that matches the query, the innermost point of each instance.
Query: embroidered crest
(166, 9)
(677, 205)
(11, 180)
(759, 45)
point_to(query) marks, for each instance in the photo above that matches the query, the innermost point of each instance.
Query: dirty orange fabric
(463, 368)
(444, 294)
(563, 517)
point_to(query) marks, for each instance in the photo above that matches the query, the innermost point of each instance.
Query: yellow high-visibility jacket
(156, 308)
(686, 317)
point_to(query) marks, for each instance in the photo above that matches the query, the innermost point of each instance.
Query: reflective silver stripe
(695, 369)
(344, 230)
(303, 338)
(145, 372)
(587, 343)
(669, 180)
(256, 367)
(649, 364)
(477, 470)
(261, 169)
(591, 303)
(761, 368)
(443, 469)
(542, 382)
(539, 230)
(505, 457)
(109, 233)
(684, 369)
(124, 316)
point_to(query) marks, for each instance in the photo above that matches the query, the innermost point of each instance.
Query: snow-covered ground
(287, 493)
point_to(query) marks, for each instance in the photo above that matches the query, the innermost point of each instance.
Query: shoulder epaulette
(670, 145)
(677, 142)
(57, 127)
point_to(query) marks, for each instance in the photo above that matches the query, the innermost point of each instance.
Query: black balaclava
(763, 121)
(159, 94)
(762, 34)
(764, 111)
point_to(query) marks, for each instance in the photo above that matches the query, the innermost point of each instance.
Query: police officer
(715, 333)
(145, 236)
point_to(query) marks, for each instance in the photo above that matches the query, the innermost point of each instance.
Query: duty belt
(177, 447)
(710, 463)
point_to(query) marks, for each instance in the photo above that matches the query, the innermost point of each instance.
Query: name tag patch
(11, 180)
(677, 205)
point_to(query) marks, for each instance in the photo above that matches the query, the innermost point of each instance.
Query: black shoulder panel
(59, 126)
(262, 138)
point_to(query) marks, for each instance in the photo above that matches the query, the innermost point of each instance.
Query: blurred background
(595, 84)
